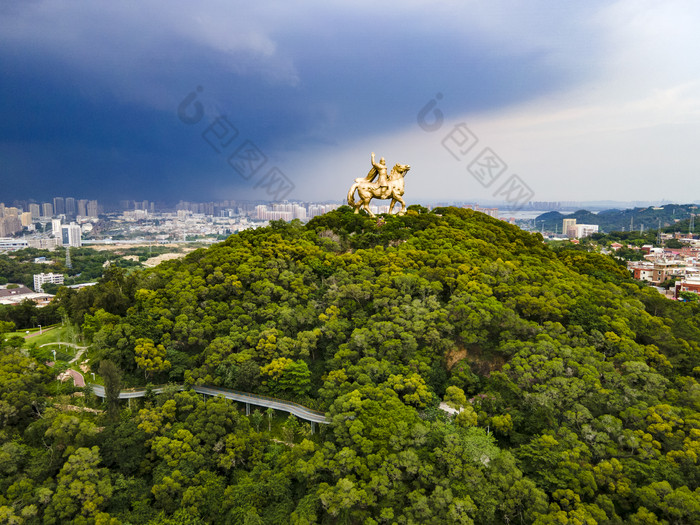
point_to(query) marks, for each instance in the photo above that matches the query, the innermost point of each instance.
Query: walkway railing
(298, 410)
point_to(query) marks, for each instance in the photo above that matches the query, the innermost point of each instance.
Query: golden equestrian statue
(386, 187)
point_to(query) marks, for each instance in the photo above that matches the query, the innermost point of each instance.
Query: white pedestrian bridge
(300, 411)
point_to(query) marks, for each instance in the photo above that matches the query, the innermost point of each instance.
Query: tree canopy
(575, 390)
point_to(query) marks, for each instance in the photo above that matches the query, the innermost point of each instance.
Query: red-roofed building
(691, 284)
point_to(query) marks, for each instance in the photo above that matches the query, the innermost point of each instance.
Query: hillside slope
(577, 388)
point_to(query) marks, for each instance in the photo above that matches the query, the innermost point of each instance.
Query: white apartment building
(575, 231)
(42, 278)
(56, 227)
(585, 230)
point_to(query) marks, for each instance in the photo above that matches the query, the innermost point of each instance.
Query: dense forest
(576, 387)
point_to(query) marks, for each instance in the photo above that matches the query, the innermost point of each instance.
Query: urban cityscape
(56, 224)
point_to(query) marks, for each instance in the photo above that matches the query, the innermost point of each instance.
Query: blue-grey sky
(580, 100)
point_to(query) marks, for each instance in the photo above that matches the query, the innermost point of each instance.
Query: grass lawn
(66, 334)
(55, 334)
(30, 332)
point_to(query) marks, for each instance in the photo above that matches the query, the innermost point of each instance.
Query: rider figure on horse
(387, 186)
(380, 170)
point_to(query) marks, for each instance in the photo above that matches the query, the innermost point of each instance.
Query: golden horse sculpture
(387, 187)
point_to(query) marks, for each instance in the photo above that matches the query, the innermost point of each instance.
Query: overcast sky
(577, 100)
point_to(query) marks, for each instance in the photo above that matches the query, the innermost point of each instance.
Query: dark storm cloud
(90, 91)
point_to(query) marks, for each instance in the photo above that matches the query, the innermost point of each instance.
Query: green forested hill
(671, 217)
(577, 387)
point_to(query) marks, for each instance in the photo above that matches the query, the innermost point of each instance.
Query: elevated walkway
(300, 411)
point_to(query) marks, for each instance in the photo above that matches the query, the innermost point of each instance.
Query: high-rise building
(41, 279)
(320, 209)
(56, 227)
(70, 207)
(26, 218)
(9, 225)
(35, 210)
(47, 209)
(59, 206)
(299, 212)
(568, 227)
(70, 235)
(92, 209)
(82, 207)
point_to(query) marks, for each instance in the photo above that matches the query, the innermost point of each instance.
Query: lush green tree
(286, 376)
(112, 378)
(256, 419)
(22, 387)
(123, 447)
(150, 357)
(6, 326)
(688, 296)
(270, 413)
(82, 489)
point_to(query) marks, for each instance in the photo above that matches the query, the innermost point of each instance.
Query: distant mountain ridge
(623, 220)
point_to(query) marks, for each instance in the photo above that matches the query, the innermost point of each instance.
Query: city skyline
(37, 207)
(579, 102)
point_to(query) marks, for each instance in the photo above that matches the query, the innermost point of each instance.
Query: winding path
(78, 379)
(302, 412)
(64, 344)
